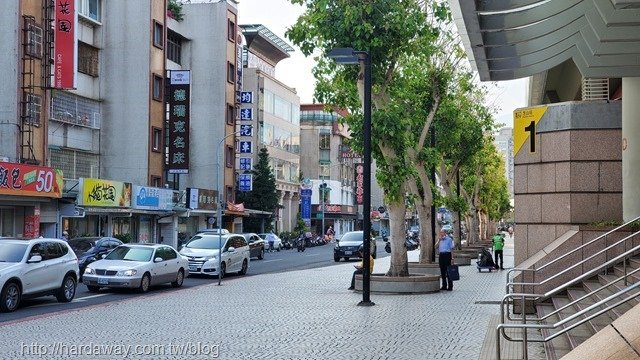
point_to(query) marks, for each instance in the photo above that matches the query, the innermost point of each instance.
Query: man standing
(445, 247)
(498, 245)
(271, 240)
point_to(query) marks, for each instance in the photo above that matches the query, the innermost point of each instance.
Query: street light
(219, 212)
(350, 56)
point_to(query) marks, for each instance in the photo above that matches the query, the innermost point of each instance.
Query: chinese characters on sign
(245, 163)
(202, 199)
(359, 176)
(246, 114)
(244, 182)
(246, 97)
(20, 179)
(178, 102)
(246, 130)
(99, 192)
(246, 147)
(305, 205)
(65, 56)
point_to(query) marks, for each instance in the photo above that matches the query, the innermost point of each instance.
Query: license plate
(103, 281)
(348, 253)
(192, 268)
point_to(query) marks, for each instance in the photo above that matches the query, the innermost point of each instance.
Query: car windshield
(210, 242)
(82, 245)
(352, 236)
(129, 253)
(12, 253)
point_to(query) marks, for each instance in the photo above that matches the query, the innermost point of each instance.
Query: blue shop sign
(151, 198)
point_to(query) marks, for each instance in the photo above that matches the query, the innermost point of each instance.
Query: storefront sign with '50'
(29, 180)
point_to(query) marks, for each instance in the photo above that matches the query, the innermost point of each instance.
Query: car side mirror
(34, 259)
(158, 259)
(103, 256)
(231, 249)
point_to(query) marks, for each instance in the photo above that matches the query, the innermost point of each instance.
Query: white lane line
(90, 297)
(266, 261)
(313, 255)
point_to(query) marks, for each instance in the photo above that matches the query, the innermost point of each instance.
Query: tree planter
(412, 284)
(424, 269)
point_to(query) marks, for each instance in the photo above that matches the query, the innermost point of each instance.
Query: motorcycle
(300, 244)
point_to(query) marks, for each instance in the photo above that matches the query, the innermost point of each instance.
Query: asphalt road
(273, 262)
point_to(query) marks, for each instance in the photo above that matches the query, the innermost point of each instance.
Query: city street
(273, 262)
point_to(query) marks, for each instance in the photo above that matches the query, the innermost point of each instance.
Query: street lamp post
(351, 56)
(220, 203)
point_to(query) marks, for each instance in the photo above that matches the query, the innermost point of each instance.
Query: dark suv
(256, 245)
(90, 249)
(349, 244)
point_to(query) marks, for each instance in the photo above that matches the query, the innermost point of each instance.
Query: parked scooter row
(409, 243)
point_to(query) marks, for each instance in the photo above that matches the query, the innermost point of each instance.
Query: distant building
(504, 143)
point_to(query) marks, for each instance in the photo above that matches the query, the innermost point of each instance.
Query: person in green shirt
(498, 245)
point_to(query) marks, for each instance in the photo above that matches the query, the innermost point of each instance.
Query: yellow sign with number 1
(525, 122)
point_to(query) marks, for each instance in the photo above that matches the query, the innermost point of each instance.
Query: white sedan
(137, 266)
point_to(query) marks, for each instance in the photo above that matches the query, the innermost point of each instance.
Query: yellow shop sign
(108, 193)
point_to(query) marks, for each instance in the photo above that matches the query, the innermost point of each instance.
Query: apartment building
(274, 112)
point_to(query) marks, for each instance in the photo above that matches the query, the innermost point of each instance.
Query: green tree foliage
(263, 195)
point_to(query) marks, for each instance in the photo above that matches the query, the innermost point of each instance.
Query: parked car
(348, 245)
(202, 251)
(34, 268)
(137, 266)
(277, 242)
(90, 249)
(257, 245)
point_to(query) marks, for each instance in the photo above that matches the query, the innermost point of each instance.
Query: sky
(278, 15)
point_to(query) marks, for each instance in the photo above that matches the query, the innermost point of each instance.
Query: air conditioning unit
(4, 159)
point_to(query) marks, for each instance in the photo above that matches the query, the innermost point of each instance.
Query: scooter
(300, 244)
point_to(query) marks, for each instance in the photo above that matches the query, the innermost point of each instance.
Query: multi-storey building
(328, 162)
(275, 114)
(504, 143)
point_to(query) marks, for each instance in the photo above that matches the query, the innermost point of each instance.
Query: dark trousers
(353, 277)
(497, 254)
(444, 259)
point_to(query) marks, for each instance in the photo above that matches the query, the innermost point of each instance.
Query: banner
(107, 193)
(65, 58)
(202, 199)
(151, 198)
(359, 176)
(30, 180)
(179, 104)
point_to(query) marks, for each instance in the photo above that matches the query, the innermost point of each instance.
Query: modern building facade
(274, 113)
(328, 162)
(504, 144)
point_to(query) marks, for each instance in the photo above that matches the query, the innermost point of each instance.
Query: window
(231, 30)
(73, 109)
(87, 59)
(75, 164)
(158, 34)
(324, 172)
(33, 40)
(156, 181)
(325, 155)
(325, 139)
(231, 73)
(156, 139)
(231, 116)
(230, 156)
(32, 108)
(230, 197)
(90, 9)
(157, 87)
(174, 47)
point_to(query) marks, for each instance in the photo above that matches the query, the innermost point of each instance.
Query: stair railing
(510, 297)
(581, 247)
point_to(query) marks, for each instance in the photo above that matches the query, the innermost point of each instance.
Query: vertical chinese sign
(359, 176)
(65, 52)
(178, 101)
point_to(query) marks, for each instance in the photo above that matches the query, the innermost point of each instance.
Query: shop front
(197, 213)
(28, 200)
(153, 215)
(341, 217)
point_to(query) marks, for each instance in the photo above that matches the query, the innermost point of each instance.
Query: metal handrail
(512, 270)
(509, 297)
(500, 329)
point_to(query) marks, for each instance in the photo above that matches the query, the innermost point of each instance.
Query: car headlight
(214, 257)
(129, 272)
(88, 270)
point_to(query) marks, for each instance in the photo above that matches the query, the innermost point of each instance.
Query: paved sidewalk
(306, 314)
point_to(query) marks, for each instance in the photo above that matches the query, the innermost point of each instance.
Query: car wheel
(245, 266)
(67, 290)
(179, 279)
(144, 283)
(336, 258)
(93, 288)
(346, 258)
(223, 270)
(261, 255)
(10, 297)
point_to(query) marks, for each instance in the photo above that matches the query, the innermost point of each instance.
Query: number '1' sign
(525, 123)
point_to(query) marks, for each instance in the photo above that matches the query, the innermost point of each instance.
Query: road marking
(314, 255)
(89, 297)
(266, 261)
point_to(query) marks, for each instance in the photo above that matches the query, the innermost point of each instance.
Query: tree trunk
(399, 261)
(474, 227)
(426, 238)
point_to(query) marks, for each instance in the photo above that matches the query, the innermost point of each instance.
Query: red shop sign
(29, 180)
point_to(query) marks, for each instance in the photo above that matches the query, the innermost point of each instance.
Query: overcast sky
(295, 71)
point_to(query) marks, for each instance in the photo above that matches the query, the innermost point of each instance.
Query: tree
(263, 195)
(410, 67)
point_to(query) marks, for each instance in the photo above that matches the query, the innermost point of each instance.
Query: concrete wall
(9, 38)
(574, 177)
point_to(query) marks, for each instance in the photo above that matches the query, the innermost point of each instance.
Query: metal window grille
(73, 109)
(33, 108)
(33, 41)
(595, 89)
(75, 164)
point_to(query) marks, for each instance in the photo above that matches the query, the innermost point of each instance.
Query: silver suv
(34, 268)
